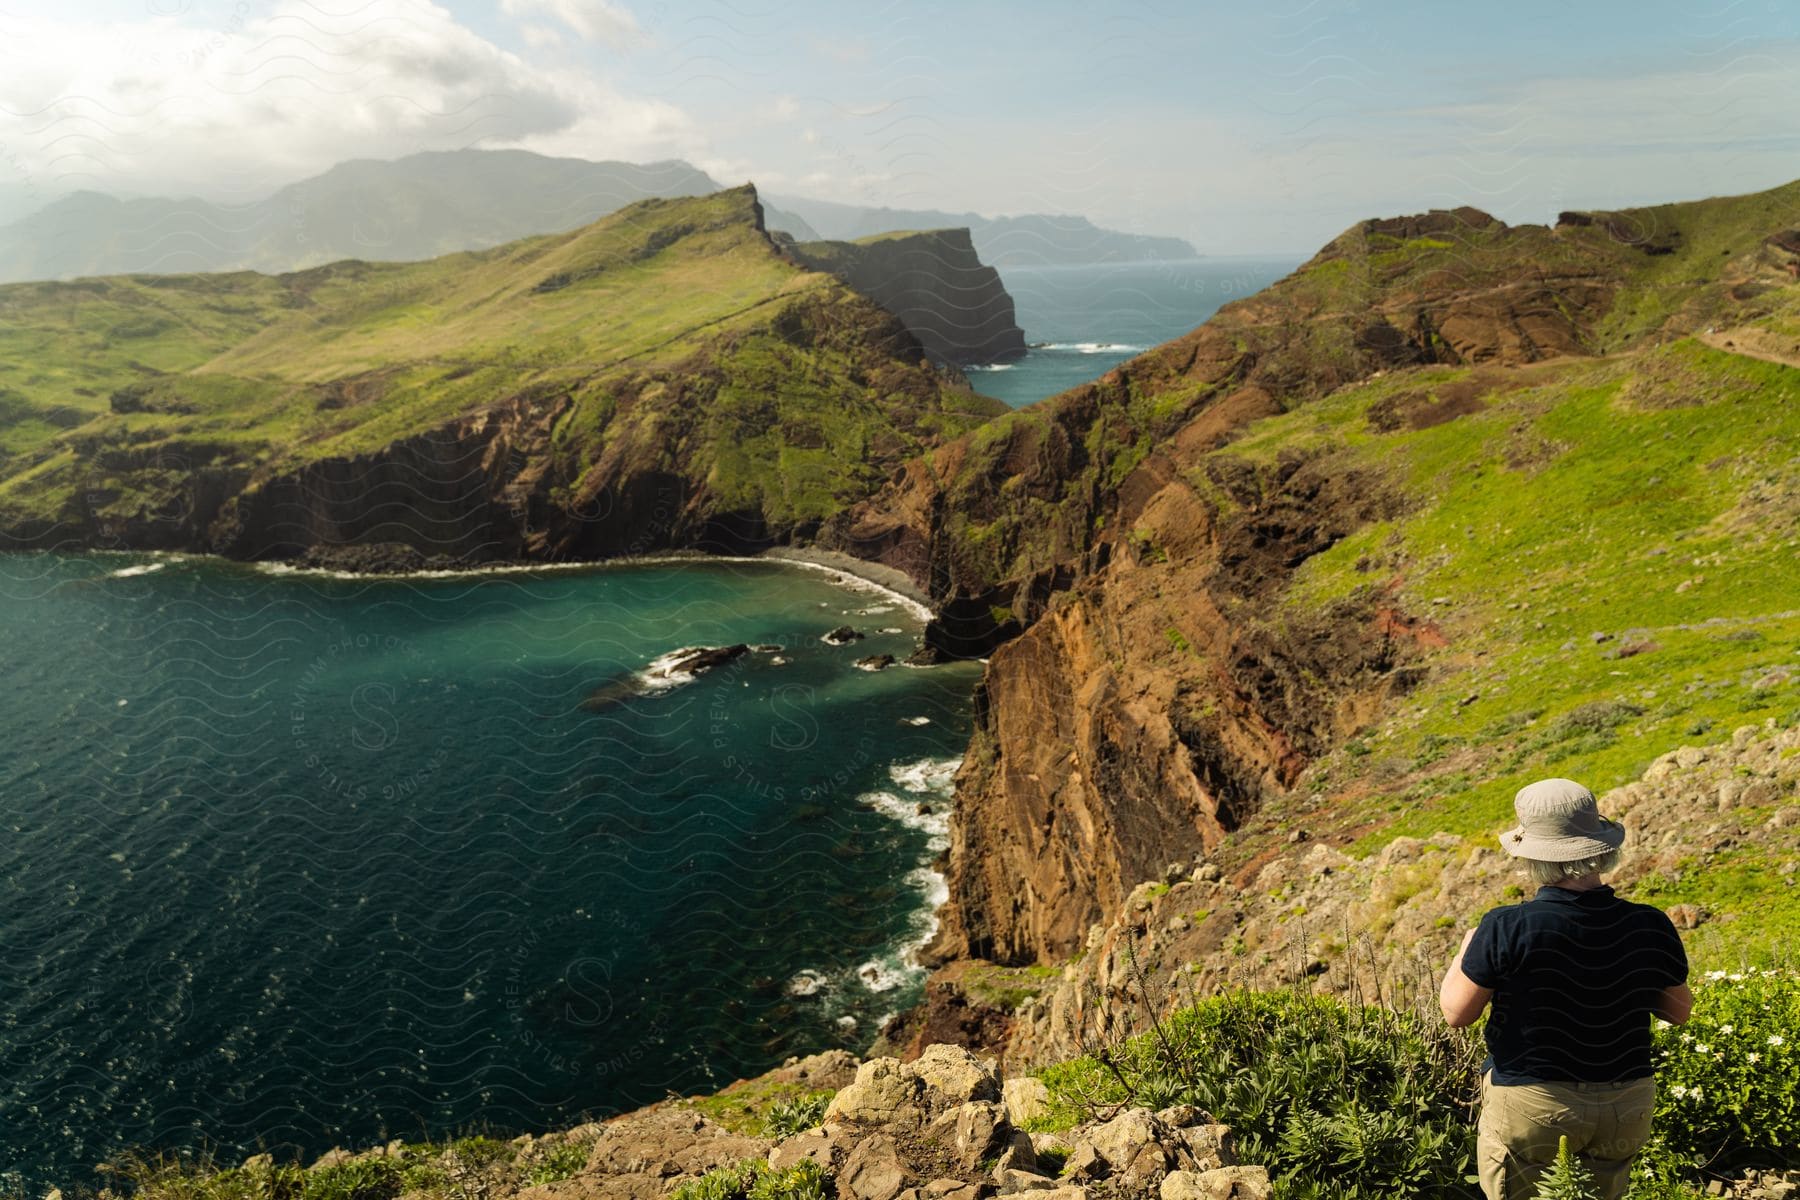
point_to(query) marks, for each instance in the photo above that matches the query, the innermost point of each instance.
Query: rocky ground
(942, 1127)
(1385, 926)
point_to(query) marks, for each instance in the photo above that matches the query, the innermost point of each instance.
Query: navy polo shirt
(1576, 977)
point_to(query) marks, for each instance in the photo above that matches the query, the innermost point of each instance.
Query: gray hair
(1548, 874)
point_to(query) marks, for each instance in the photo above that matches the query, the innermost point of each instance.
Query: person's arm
(1676, 1005)
(1460, 997)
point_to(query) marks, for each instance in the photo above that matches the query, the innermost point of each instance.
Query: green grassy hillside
(1603, 563)
(798, 391)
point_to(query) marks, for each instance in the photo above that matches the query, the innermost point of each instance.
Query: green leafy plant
(360, 1179)
(1729, 1080)
(788, 1117)
(1566, 1179)
(1335, 1099)
(562, 1161)
(756, 1180)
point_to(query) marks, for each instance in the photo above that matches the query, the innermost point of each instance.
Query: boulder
(955, 1075)
(1011, 1182)
(884, 1092)
(1206, 1146)
(1026, 1099)
(948, 1189)
(831, 1069)
(814, 1144)
(973, 1133)
(1018, 1154)
(658, 1144)
(1086, 1164)
(841, 636)
(872, 1171)
(1223, 1183)
(875, 662)
(1135, 1134)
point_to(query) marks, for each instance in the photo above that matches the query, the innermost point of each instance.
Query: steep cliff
(1130, 552)
(956, 306)
(666, 377)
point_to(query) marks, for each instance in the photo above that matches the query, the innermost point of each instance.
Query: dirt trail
(1752, 342)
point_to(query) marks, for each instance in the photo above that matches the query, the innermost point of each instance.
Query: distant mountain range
(1025, 241)
(441, 202)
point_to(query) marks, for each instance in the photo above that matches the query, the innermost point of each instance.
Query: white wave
(934, 822)
(1094, 347)
(806, 983)
(661, 675)
(140, 569)
(935, 775)
(916, 720)
(990, 366)
(880, 976)
(855, 583)
(901, 965)
(870, 612)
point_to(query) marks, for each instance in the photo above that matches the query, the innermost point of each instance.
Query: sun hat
(1559, 822)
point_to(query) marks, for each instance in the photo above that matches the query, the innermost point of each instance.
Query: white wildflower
(1754, 1058)
(1726, 1028)
(1775, 1039)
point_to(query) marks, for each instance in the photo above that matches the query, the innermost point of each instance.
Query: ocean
(1083, 321)
(294, 861)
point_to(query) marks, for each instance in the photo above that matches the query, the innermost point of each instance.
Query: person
(1574, 975)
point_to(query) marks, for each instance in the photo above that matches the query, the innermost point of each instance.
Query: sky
(1243, 127)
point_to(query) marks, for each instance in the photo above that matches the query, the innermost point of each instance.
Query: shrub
(756, 1180)
(362, 1179)
(1728, 1087)
(1335, 1100)
(1596, 716)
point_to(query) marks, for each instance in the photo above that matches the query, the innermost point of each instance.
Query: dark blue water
(298, 861)
(1086, 320)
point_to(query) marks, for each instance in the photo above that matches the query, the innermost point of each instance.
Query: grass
(672, 325)
(453, 1169)
(761, 1107)
(1608, 577)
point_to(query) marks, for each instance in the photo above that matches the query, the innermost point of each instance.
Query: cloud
(163, 105)
(595, 20)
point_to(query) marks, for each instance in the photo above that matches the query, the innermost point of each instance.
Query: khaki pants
(1606, 1124)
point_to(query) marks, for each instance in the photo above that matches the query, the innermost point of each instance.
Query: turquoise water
(1085, 320)
(294, 861)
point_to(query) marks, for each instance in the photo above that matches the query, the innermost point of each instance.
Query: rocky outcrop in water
(946, 297)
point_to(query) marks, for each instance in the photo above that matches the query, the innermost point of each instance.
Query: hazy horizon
(1242, 132)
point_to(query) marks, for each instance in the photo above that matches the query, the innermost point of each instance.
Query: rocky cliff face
(1126, 567)
(942, 292)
